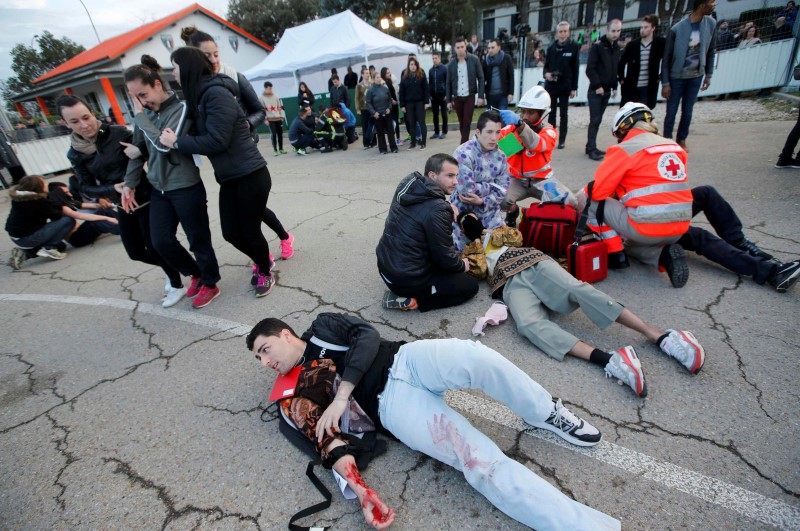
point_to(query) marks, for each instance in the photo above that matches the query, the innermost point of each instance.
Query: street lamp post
(397, 22)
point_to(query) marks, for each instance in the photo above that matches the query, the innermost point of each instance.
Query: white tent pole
(296, 81)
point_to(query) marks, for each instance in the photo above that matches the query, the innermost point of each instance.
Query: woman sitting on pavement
(28, 225)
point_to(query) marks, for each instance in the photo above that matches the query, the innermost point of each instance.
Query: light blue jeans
(412, 407)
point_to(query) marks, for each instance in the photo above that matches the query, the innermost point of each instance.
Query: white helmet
(629, 114)
(537, 99)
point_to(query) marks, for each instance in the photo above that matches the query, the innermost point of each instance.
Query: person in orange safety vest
(641, 194)
(529, 149)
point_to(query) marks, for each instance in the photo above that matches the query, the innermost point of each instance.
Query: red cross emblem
(670, 167)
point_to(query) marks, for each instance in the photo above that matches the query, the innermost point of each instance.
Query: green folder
(510, 145)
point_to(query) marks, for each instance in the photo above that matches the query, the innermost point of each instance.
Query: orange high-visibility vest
(647, 174)
(533, 162)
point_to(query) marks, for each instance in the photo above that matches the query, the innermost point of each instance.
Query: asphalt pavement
(116, 413)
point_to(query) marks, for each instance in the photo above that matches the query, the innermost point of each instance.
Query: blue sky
(22, 19)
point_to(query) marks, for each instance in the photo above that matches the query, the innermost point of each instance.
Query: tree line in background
(29, 62)
(427, 22)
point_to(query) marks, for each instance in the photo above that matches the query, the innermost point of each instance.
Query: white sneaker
(569, 427)
(174, 295)
(626, 367)
(685, 348)
(53, 254)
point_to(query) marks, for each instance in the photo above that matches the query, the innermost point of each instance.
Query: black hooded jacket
(222, 132)
(417, 239)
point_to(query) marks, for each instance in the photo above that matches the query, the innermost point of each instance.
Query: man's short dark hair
(267, 84)
(697, 3)
(55, 186)
(335, 77)
(488, 116)
(460, 39)
(436, 53)
(651, 19)
(304, 108)
(269, 327)
(494, 41)
(435, 163)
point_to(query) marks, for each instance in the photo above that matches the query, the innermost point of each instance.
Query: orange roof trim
(116, 46)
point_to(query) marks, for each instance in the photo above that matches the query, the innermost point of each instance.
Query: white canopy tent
(308, 52)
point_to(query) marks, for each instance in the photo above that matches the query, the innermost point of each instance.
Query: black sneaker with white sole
(569, 427)
(673, 262)
(786, 275)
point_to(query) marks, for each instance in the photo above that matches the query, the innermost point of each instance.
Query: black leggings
(276, 128)
(134, 231)
(241, 207)
(791, 140)
(274, 223)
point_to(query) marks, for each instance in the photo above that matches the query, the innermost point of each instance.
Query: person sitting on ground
(301, 135)
(416, 256)
(27, 224)
(344, 366)
(732, 249)
(482, 176)
(93, 220)
(531, 284)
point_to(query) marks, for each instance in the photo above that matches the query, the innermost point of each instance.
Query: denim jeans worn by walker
(422, 372)
(684, 93)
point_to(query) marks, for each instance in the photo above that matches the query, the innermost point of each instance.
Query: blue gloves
(509, 117)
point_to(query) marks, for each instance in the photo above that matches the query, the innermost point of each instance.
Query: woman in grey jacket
(179, 195)
(379, 104)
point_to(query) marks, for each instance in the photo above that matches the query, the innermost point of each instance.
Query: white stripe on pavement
(750, 504)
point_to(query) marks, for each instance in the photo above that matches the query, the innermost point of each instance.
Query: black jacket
(413, 89)
(437, 80)
(629, 79)
(601, 69)
(417, 239)
(506, 74)
(339, 94)
(99, 172)
(304, 98)
(250, 104)
(223, 134)
(366, 362)
(562, 61)
(29, 213)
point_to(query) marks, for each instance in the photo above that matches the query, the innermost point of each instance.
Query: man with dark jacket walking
(561, 76)
(499, 75)
(416, 256)
(437, 81)
(601, 70)
(640, 66)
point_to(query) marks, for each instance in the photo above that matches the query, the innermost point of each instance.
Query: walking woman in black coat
(223, 135)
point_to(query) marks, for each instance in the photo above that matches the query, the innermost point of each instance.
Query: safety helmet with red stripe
(629, 114)
(536, 99)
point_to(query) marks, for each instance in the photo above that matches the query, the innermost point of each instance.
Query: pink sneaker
(287, 247)
(264, 285)
(194, 287)
(205, 296)
(256, 271)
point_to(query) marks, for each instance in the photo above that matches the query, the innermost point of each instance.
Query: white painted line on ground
(749, 504)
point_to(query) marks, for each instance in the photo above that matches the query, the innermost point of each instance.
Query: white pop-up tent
(308, 52)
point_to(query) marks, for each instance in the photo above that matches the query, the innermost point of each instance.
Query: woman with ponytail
(179, 195)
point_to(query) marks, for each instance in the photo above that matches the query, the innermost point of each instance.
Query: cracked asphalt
(116, 413)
